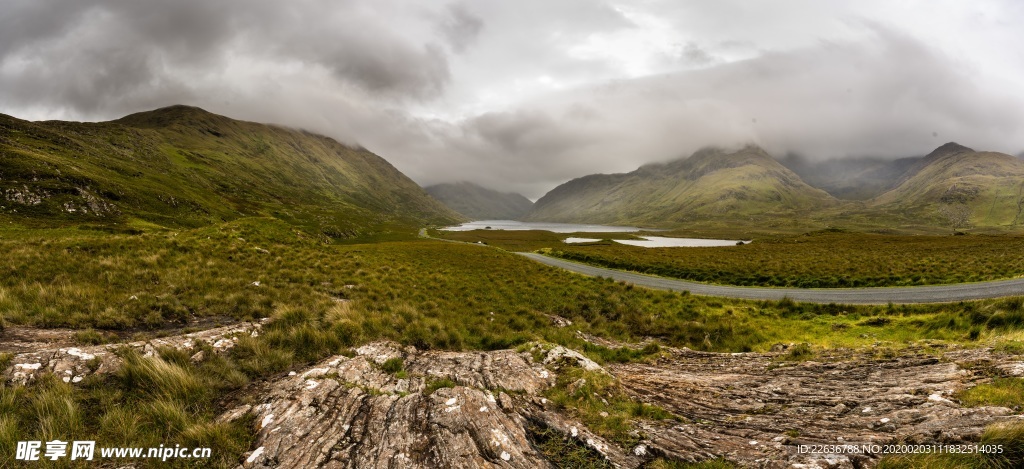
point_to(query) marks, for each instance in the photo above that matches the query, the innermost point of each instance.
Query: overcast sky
(524, 95)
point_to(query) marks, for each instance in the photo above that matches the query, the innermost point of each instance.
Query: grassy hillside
(479, 203)
(959, 187)
(184, 167)
(710, 185)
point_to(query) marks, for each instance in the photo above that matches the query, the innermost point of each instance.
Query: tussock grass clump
(1003, 392)
(435, 384)
(563, 451)
(1008, 437)
(797, 353)
(160, 379)
(57, 414)
(393, 365)
(257, 357)
(602, 405)
(707, 464)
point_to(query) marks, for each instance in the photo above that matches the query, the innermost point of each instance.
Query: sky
(522, 96)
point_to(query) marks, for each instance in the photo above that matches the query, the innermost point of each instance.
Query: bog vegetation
(327, 297)
(820, 260)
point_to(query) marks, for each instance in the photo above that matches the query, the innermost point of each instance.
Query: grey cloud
(417, 82)
(524, 131)
(885, 97)
(695, 55)
(101, 58)
(460, 27)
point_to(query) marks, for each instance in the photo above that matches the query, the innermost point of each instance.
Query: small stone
(255, 455)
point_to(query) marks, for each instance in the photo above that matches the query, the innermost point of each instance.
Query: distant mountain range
(953, 186)
(710, 184)
(181, 166)
(479, 203)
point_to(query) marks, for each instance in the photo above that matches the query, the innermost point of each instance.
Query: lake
(513, 225)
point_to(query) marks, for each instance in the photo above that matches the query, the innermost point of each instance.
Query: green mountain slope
(961, 187)
(183, 166)
(479, 203)
(712, 184)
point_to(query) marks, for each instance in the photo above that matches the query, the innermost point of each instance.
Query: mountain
(183, 166)
(851, 178)
(712, 184)
(961, 187)
(479, 203)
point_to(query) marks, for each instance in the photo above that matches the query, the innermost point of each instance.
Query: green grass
(435, 384)
(601, 404)
(819, 260)
(1007, 437)
(1003, 392)
(325, 298)
(424, 293)
(707, 464)
(183, 167)
(565, 452)
(798, 352)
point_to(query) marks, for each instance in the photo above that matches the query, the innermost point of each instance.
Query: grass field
(325, 298)
(814, 260)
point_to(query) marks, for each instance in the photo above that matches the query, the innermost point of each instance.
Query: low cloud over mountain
(523, 97)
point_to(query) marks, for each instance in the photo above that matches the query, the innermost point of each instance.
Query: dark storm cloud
(112, 56)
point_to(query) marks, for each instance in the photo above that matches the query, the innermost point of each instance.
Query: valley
(172, 277)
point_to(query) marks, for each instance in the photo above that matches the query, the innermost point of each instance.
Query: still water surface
(553, 227)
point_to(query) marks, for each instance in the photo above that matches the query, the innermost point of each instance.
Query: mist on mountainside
(523, 97)
(479, 203)
(850, 178)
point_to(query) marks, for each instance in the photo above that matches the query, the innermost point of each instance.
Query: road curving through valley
(874, 295)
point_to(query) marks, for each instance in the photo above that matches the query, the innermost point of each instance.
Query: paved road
(922, 294)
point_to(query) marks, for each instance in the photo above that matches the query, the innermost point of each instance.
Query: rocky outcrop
(73, 363)
(755, 410)
(481, 409)
(440, 409)
(390, 406)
